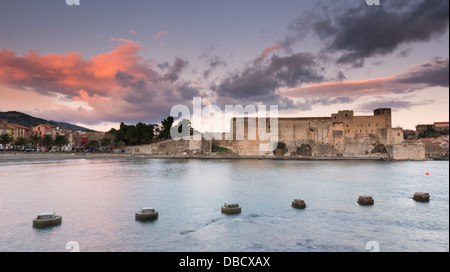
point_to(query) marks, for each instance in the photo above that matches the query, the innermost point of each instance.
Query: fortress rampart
(342, 135)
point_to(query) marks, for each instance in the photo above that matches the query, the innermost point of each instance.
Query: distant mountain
(71, 126)
(23, 119)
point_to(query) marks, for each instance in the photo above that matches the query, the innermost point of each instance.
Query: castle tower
(386, 112)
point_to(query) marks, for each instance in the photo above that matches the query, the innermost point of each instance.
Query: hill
(23, 119)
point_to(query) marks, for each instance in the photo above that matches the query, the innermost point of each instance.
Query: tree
(35, 140)
(145, 133)
(5, 139)
(21, 141)
(133, 135)
(47, 141)
(93, 144)
(106, 142)
(60, 141)
(167, 125)
(119, 144)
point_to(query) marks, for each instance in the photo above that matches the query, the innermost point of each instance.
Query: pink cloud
(121, 40)
(133, 32)
(113, 86)
(269, 50)
(347, 88)
(419, 77)
(160, 34)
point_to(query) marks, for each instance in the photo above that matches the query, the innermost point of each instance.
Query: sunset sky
(110, 61)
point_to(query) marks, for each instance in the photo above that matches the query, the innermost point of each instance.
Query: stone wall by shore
(365, 150)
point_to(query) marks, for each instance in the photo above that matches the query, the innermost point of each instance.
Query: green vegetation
(218, 149)
(35, 140)
(430, 133)
(93, 144)
(60, 141)
(5, 139)
(167, 125)
(106, 143)
(129, 135)
(21, 141)
(47, 141)
(132, 135)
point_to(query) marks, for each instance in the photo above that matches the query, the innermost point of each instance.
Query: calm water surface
(98, 198)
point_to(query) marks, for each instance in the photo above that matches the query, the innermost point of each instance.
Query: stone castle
(343, 135)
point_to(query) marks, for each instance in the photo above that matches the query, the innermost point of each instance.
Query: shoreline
(22, 156)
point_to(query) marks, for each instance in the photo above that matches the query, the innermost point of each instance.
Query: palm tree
(106, 142)
(93, 144)
(47, 141)
(35, 140)
(60, 141)
(21, 141)
(5, 139)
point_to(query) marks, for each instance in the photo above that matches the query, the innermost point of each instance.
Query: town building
(79, 141)
(43, 129)
(6, 129)
(438, 127)
(441, 127)
(21, 131)
(409, 134)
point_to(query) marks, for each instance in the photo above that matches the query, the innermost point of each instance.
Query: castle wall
(407, 151)
(171, 147)
(341, 135)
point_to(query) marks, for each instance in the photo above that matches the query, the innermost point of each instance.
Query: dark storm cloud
(212, 63)
(431, 74)
(174, 70)
(127, 80)
(394, 104)
(357, 33)
(258, 82)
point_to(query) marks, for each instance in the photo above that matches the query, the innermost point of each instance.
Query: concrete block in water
(231, 208)
(365, 200)
(47, 219)
(298, 204)
(421, 197)
(146, 214)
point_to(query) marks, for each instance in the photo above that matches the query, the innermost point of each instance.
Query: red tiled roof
(19, 126)
(441, 123)
(7, 127)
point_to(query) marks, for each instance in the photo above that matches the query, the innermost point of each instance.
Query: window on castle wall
(346, 115)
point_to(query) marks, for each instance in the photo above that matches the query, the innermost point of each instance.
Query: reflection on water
(98, 199)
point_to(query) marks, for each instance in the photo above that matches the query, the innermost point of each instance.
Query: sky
(109, 61)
